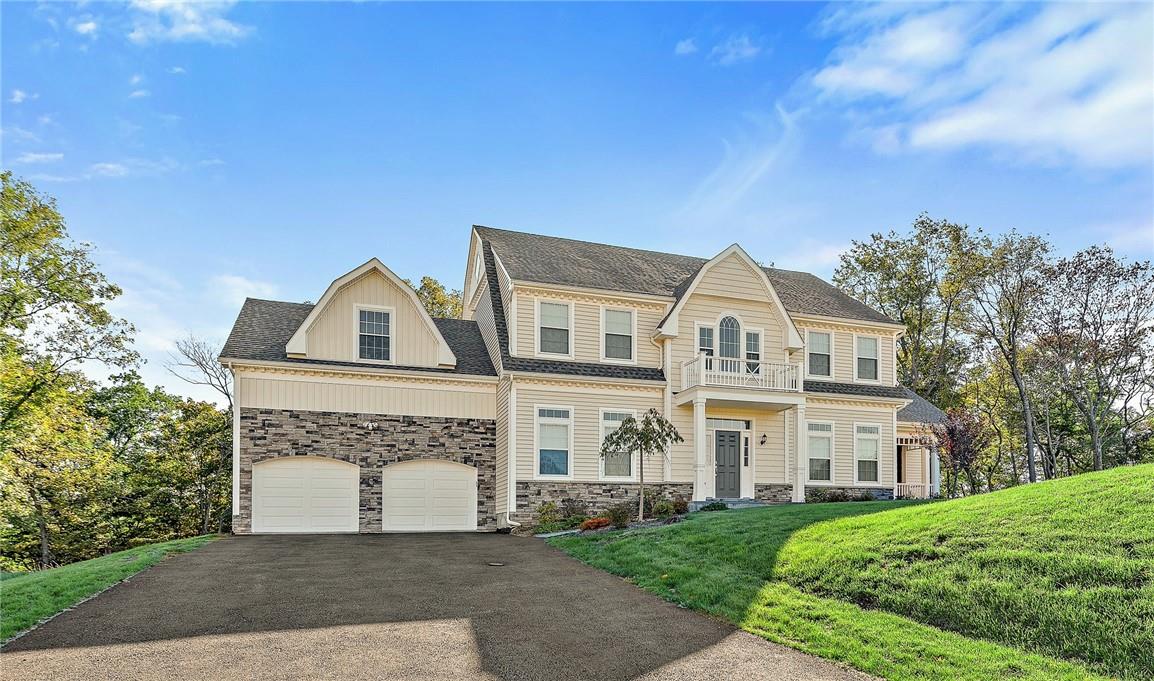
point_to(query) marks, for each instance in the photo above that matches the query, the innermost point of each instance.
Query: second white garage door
(429, 496)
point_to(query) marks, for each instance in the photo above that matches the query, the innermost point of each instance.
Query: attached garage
(305, 494)
(429, 496)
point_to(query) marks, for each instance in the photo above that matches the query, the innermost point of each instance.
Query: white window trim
(832, 454)
(740, 335)
(878, 437)
(818, 377)
(357, 307)
(634, 460)
(633, 335)
(878, 359)
(537, 352)
(697, 326)
(537, 440)
(745, 331)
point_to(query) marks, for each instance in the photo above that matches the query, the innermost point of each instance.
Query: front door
(727, 454)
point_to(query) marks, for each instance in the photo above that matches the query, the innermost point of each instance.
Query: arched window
(729, 338)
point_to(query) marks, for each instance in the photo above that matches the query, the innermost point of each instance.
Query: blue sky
(216, 150)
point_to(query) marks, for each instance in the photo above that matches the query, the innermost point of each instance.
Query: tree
(196, 362)
(53, 300)
(964, 436)
(1005, 293)
(651, 435)
(920, 279)
(439, 301)
(1095, 331)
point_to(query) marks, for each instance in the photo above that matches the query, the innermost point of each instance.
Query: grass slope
(26, 599)
(1061, 568)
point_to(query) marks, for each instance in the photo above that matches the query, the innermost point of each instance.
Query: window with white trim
(818, 350)
(553, 331)
(867, 358)
(753, 352)
(705, 340)
(617, 464)
(867, 446)
(554, 427)
(729, 338)
(618, 330)
(820, 445)
(374, 337)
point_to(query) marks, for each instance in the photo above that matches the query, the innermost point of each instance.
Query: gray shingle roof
(569, 262)
(833, 388)
(920, 410)
(264, 327)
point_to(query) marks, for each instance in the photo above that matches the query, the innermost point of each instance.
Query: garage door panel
(305, 494)
(423, 496)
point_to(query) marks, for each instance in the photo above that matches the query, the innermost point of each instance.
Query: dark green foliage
(680, 505)
(663, 508)
(620, 514)
(715, 506)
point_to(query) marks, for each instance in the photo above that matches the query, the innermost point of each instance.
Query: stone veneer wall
(878, 493)
(596, 495)
(271, 433)
(773, 492)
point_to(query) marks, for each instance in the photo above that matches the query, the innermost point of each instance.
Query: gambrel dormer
(371, 316)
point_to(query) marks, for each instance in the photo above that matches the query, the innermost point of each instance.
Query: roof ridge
(592, 243)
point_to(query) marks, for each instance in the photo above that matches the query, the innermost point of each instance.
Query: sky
(216, 150)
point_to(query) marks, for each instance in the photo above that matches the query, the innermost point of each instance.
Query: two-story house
(362, 413)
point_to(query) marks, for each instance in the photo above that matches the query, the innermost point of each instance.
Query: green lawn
(990, 587)
(26, 599)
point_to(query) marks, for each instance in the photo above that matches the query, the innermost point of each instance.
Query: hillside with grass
(1047, 581)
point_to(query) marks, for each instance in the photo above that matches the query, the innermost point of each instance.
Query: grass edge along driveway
(29, 599)
(722, 564)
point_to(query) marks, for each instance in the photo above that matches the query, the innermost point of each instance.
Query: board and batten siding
(334, 333)
(586, 333)
(843, 418)
(585, 406)
(449, 398)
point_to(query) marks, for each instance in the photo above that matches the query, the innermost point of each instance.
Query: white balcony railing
(740, 373)
(911, 490)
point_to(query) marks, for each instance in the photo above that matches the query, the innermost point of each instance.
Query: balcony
(725, 372)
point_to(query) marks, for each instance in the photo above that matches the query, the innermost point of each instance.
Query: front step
(731, 503)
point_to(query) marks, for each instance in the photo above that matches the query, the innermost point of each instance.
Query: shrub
(680, 505)
(716, 506)
(652, 498)
(663, 508)
(595, 523)
(621, 513)
(864, 496)
(548, 514)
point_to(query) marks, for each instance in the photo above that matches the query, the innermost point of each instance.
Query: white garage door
(305, 494)
(429, 496)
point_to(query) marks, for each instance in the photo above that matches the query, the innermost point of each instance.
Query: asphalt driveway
(390, 607)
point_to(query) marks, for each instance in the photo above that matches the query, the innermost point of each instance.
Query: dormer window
(374, 339)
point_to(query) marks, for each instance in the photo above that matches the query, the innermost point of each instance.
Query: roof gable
(298, 343)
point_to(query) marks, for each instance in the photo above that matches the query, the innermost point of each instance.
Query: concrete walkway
(391, 607)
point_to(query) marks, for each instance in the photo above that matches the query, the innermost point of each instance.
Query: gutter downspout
(511, 455)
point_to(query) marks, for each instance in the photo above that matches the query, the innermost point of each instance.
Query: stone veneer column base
(597, 496)
(272, 433)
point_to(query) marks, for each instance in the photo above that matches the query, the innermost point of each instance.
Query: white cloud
(31, 157)
(177, 70)
(209, 162)
(85, 25)
(232, 289)
(19, 134)
(184, 21)
(139, 94)
(108, 169)
(20, 96)
(736, 49)
(1057, 83)
(683, 47)
(135, 79)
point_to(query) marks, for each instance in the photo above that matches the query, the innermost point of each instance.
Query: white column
(935, 472)
(801, 470)
(235, 442)
(667, 363)
(926, 474)
(700, 456)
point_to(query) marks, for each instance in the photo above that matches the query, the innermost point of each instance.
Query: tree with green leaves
(438, 300)
(653, 434)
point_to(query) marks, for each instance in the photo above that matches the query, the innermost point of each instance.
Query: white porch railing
(912, 490)
(705, 370)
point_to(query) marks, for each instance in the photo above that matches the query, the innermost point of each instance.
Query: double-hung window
(617, 464)
(374, 336)
(867, 358)
(753, 352)
(553, 328)
(867, 445)
(818, 348)
(554, 435)
(820, 446)
(617, 327)
(705, 340)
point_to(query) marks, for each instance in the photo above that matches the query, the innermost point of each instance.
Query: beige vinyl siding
(844, 418)
(448, 398)
(733, 278)
(915, 460)
(844, 352)
(770, 463)
(334, 334)
(484, 318)
(585, 336)
(585, 406)
(502, 473)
